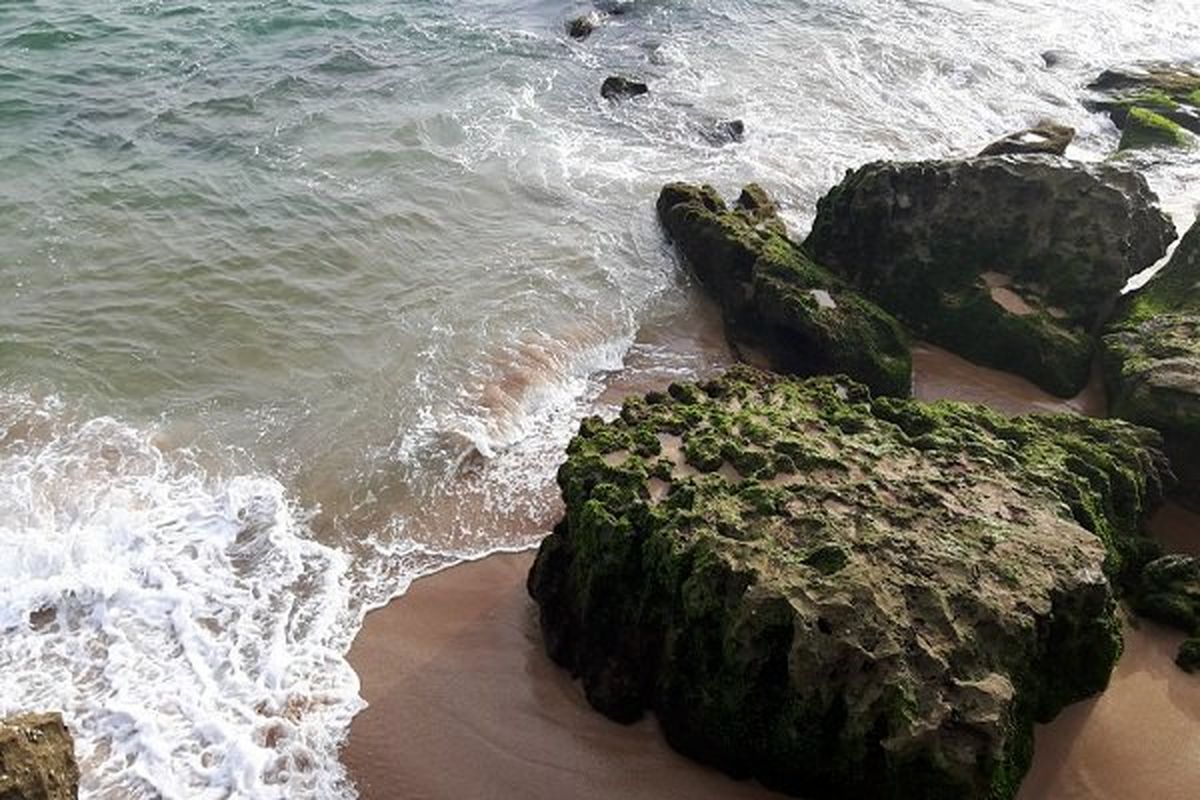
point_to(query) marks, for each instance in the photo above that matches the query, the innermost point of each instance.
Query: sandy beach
(464, 703)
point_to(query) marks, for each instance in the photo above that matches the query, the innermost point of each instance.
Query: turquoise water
(302, 299)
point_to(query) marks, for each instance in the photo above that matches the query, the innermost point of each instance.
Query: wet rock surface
(1009, 261)
(617, 87)
(37, 759)
(1140, 98)
(841, 595)
(1152, 360)
(1046, 137)
(775, 298)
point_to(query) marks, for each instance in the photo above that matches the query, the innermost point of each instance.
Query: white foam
(197, 631)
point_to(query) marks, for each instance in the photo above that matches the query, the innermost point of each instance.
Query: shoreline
(463, 701)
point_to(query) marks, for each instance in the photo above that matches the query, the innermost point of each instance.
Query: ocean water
(302, 299)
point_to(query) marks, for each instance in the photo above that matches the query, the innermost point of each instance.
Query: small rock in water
(582, 27)
(1045, 137)
(1052, 58)
(616, 87)
(726, 131)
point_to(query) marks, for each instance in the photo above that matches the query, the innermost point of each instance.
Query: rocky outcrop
(37, 759)
(1168, 591)
(775, 298)
(1046, 137)
(616, 87)
(1152, 360)
(1165, 95)
(1011, 262)
(839, 595)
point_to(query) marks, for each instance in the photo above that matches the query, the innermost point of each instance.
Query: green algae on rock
(37, 759)
(1188, 657)
(1168, 591)
(843, 596)
(1151, 358)
(775, 298)
(1146, 128)
(1171, 91)
(1008, 261)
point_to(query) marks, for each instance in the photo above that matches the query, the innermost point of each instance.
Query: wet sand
(463, 702)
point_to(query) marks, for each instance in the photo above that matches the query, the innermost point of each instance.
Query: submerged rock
(1153, 104)
(1045, 137)
(1011, 262)
(37, 759)
(775, 298)
(724, 131)
(619, 88)
(843, 596)
(1152, 360)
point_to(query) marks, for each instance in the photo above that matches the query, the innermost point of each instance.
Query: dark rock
(1053, 58)
(618, 88)
(1169, 592)
(37, 759)
(726, 131)
(1045, 137)
(775, 298)
(1011, 262)
(583, 27)
(844, 597)
(1152, 360)
(1170, 93)
(1188, 657)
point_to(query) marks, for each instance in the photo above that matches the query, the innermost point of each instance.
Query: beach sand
(464, 703)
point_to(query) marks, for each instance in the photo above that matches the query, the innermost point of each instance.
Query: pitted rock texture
(843, 596)
(1152, 360)
(37, 759)
(1009, 261)
(775, 298)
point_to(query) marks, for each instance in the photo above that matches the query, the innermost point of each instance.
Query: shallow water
(302, 299)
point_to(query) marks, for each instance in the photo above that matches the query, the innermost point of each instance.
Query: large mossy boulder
(839, 595)
(1152, 360)
(775, 298)
(1010, 262)
(37, 759)
(1159, 92)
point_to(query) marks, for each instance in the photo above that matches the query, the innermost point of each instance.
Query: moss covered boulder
(1011, 262)
(843, 596)
(775, 298)
(37, 759)
(1152, 103)
(1168, 591)
(1152, 360)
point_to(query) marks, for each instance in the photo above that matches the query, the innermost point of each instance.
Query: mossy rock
(1008, 261)
(1188, 657)
(841, 595)
(1170, 91)
(1152, 360)
(778, 300)
(1145, 128)
(1168, 591)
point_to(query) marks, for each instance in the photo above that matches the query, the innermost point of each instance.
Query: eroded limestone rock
(949, 247)
(775, 298)
(37, 759)
(839, 595)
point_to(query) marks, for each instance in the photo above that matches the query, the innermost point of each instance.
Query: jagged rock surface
(1170, 91)
(1152, 360)
(1011, 262)
(775, 298)
(37, 759)
(843, 596)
